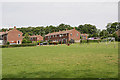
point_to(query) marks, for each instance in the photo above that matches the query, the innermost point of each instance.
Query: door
(18, 41)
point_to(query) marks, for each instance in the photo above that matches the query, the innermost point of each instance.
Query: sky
(24, 14)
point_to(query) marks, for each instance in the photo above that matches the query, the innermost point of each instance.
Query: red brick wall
(39, 37)
(68, 37)
(57, 38)
(74, 35)
(13, 36)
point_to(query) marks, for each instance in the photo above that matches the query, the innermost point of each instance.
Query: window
(50, 36)
(18, 35)
(70, 34)
(53, 36)
(77, 34)
(66, 34)
(60, 35)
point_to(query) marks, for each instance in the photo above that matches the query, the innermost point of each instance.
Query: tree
(116, 36)
(104, 33)
(112, 27)
(26, 39)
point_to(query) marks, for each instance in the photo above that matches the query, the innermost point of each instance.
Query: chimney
(14, 27)
(74, 28)
(66, 29)
(59, 30)
(10, 29)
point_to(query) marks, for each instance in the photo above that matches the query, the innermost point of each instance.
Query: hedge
(94, 40)
(89, 41)
(53, 43)
(18, 45)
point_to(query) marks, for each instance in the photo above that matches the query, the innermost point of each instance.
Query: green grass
(75, 61)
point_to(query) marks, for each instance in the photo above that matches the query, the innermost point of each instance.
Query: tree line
(86, 28)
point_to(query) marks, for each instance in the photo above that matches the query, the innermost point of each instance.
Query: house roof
(36, 36)
(60, 32)
(84, 34)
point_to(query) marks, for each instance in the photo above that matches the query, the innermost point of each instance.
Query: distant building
(118, 32)
(36, 38)
(14, 36)
(84, 36)
(3, 38)
(63, 36)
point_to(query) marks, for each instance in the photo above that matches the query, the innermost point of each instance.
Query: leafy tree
(104, 33)
(26, 38)
(116, 36)
(112, 27)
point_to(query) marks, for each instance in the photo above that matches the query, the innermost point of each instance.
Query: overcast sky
(53, 13)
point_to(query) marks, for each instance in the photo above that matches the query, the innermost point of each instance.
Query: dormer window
(18, 35)
(77, 34)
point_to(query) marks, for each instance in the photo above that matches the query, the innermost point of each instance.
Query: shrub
(94, 40)
(29, 42)
(8, 43)
(18, 45)
(60, 42)
(71, 41)
(89, 41)
(45, 43)
(4, 46)
(24, 41)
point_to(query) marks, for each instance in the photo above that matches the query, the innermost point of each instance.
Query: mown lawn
(92, 60)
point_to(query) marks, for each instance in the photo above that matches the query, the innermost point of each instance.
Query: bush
(18, 45)
(8, 43)
(83, 41)
(71, 41)
(89, 41)
(94, 40)
(60, 42)
(4, 46)
(24, 41)
(29, 42)
(45, 43)
(55, 43)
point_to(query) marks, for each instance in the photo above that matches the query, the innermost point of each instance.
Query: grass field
(94, 60)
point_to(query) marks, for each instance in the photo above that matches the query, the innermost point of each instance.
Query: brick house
(3, 38)
(14, 36)
(118, 32)
(84, 36)
(36, 38)
(63, 36)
